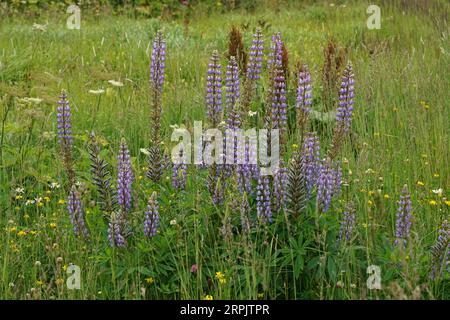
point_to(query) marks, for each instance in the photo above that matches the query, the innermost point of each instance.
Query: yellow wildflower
(19, 197)
(420, 183)
(294, 146)
(47, 199)
(208, 297)
(386, 196)
(447, 202)
(53, 225)
(260, 295)
(220, 276)
(12, 229)
(21, 233)
(61, 201)
(149, 280)
(436, 175)
(39, 282)
(432, 202)
(370, 203)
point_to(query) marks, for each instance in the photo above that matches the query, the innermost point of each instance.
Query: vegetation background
(400, 135)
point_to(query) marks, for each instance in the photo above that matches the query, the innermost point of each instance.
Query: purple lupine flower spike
(325, 185)
(76, 213)
(64, 122)
(254, 65)
(125, 178)
(179, 173)
(214, 90)
(304, 97)
(304, 90)
(157, 64)
(263, 200)
(232, 83)
(115, 231)
(348, 222)
(151, 222)
(311, 160)
(404, 218)
(346, 95)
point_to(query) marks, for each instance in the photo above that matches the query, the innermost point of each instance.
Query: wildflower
(447, 202)
(53, 225)
(125, 178)
(311, 160)
(370, 203)
(263, 200)
(157, 64)
(39, 282)
(233, 92)
(348, 221)
(208, 297)
(115, 83)
(21, 233)
(65, 135)
(438, 191)
(61, 201)
(37, 263)
(173, 222)
(328, 183)
(151, 222)
(19, 197)
(39, 27)
(19, 190)
(420, 183)
(194, 268)
(404, 217)
(386, 196)
(116, 232)
(77, 214)
(47, 199)
(252, 113)
(432, 202)
(436, 175)
(149, 280)
(304, 96)
(221, 277)
(260, 295)
(146, 152)
(214, 90)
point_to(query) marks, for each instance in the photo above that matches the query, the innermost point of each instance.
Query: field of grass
(399, 135)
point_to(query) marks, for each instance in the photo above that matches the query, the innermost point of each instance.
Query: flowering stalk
(116, 232)
(345, 110)
(296, 194)
(65, 137)
(328, 183)
(441, 251)
(311, 160)
(157, 75)
(214, 90)
(304, 98)
(151, 222)
(348, 222)
(233, 93)
(125, 178)
(179, 173)
(253, 71)
(404, 218)
(263, 200)
(76, 213)
(101, 177)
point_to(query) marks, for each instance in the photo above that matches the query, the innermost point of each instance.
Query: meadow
(199, 233)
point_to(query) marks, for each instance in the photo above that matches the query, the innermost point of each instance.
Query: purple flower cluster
(151, 222)
(304, 91)
(76, 213)
(328, 183)
(179, 173)
(254, 64)
(263, 200)
(214, 90)
(232, 84)
(64, 122)
(157, 64)
(244, 171)
(348, 221)
(125, 178)
(279, 188)
(311, 160)
(346, 95)
(404, 218)
(276, 52)
(116, 231)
